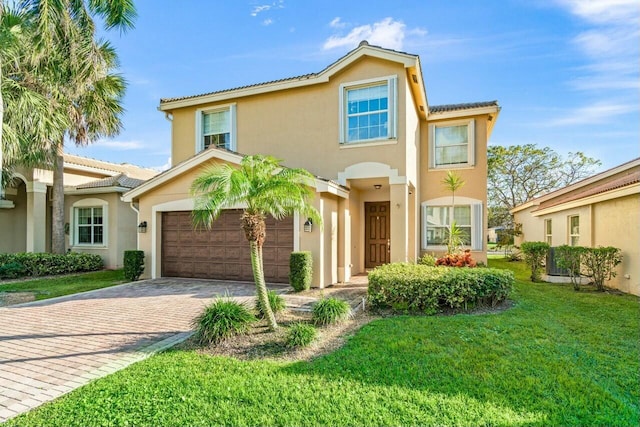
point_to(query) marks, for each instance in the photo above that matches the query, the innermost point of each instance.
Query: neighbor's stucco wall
(121, 227)
(533, 226)
(13, 222)
(617, 223)
(301, 126)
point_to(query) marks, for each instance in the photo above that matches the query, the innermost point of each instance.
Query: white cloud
(164, 167)
(265, 7)
(121, 145)
(387, 33)
(610, 44)
(337, 23)
(596, 113)
(267, 22)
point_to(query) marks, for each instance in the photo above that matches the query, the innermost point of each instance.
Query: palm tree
(453, 182)
(31, 119)
(264, 187)
(78, 74)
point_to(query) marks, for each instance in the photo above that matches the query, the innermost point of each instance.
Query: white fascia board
(208, 154)
(96, 190)
(330, 187)
(406, 60)
(596, 198)
(463, 113)
(575, 186)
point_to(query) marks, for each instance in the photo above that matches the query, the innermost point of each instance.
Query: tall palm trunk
(261, 287)
(57, 217)
(255, 231)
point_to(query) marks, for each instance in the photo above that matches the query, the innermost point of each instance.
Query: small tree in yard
(600, 263)
(534, 255)
(570, 258)
(453, 182)
(265, 188)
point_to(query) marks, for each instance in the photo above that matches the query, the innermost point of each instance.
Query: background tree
(519, 173)
(265, 188)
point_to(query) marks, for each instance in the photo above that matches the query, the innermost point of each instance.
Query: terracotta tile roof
(466, 106)
(120, 180)
(132, 171)
(283, 80)
(620, 182)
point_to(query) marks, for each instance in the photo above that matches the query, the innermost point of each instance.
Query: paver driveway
(48, 348)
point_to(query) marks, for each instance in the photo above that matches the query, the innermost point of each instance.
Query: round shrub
(276, 302)
(328, 311)
(300, 335)
(220, 320)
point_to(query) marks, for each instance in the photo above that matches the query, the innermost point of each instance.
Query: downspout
(137, 211)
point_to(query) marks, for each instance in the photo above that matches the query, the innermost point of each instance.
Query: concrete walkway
(48, 348)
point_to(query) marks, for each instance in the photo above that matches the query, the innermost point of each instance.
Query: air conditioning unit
(552, 266)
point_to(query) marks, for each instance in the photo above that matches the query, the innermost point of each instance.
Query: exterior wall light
(377, 186)
(142, 227)
(308, 226)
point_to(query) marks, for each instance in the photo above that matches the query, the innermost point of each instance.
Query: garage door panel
(222, 252)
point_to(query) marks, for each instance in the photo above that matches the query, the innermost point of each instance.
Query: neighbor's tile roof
(120, 180)
(466, 106)
(623, 181)
(130, 170)
(286, 79)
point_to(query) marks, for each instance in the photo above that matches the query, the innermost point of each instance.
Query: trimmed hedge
(300, 270)
(535, 254)
(133, 265)
(420, 288)
(45, 264)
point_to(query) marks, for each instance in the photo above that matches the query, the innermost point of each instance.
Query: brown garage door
(222, 252)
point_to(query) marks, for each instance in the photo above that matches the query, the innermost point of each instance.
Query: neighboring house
(364, 128)
(96, 220)
(603, 210)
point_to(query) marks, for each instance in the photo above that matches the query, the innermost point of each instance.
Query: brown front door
(377, 238)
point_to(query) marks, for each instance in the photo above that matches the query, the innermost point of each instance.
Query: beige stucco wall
(121, 227)
(617, 223)
(533, 226)
(301, 126)
(475, 177)
(13, 222)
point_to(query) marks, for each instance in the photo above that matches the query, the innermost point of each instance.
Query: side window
(89, 223)
(452, 144)
(548, 231)
(216, 128)
(574, 230)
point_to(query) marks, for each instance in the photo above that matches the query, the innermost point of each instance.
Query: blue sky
(565, 72)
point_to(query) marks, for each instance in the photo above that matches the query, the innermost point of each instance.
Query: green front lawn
(557, 357)
(65, 285)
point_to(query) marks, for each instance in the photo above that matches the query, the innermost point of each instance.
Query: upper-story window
(216, 128)
(452, 144)
(368, 110)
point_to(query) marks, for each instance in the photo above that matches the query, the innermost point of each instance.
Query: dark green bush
(300, 270)
(276, 302)
(133, 265)
(535, 254)
(12, 270)
(599, 264)
(328, 311)
(45, 264)
(570, 258)
(420, 288)
(300, 335)
(220, 320)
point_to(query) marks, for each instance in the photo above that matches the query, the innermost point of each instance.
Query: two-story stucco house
(364, 127)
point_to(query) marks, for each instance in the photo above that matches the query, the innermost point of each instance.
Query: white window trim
(477, 223)
(392, 87)
(471, 138)
(199, 143)
(548, 236)
(73, 227)
(571, 235)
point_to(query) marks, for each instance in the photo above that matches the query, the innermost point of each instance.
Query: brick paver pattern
(50, 347)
